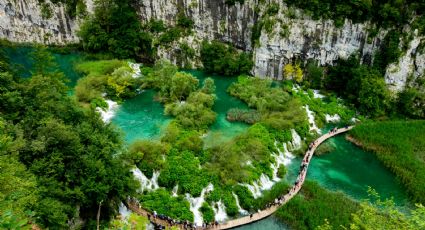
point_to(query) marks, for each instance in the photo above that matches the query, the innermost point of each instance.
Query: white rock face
(21, 21)
(412, 63)
(292, 38)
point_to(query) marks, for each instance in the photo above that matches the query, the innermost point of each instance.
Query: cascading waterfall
(295, 144)
(240, 209)
(219, 211)
(175, 190)
(135, 67)
(312, 123)
(124, 212)
(108, 113)
(316, 94)
(264, 183)
(334, 118)
(196, 203)
(283, 158)
(145, 183)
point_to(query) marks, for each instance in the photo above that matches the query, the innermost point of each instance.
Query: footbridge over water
(263, 213)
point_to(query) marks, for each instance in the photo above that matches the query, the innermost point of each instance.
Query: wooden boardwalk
(266, 212)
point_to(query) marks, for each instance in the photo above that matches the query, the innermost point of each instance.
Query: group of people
(278, 201)
(171, 222)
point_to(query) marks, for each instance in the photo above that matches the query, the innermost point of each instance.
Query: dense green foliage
(115, 28)
(279, 111)
(112, 77)
(161, 202)
(223, 59)
(375, 213)
(400, 145)
(247, 116)
(314, 204)
(229, 161)
(70, 154)
(183, 98)
(411, 101)
(248, 202)
(363, 86)
(384, 13)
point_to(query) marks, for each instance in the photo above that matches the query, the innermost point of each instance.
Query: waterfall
(312, 123)
(196, 203)
(109, 113)
(283, 158)
(124, 211)
(333, 118)
(264, 183)
(219, 211)
(175, 190)
(316, 94)
(145, 183)
(254, 189)
(240, 209)
(295, 144)
(135, 67)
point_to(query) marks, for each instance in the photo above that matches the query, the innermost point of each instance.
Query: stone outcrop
(293, 35)
(22, 21)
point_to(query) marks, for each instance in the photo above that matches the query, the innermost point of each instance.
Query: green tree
(115, 28)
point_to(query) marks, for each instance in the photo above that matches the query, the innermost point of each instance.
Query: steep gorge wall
(22, 21)
(293, 35)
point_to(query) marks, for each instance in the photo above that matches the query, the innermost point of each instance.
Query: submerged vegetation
(400, 145)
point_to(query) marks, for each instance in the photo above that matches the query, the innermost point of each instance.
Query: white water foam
(295, 144)
(264, 183)
(196, 203)
(240, 209)
(135, 67)
(283, 158)
(334, 118)
(316, 94)
(124, 212)
(109, 113)
(145, 183)
(312, 123)
(219, 211)
(175, 190)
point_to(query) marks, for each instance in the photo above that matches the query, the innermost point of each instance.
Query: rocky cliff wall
(291, 35)
(22, 21)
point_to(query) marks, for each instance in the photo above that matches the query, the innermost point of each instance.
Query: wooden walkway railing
(263, 213)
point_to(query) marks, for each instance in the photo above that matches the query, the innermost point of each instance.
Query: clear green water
(269, 223)
(222, 130)
(141, 117)
(20, 56)
(348, 168)
(351, 170)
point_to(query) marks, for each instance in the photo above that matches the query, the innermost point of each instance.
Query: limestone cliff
(22, 21)
(289, 34)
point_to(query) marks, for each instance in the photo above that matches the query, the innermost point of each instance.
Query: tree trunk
(98, 215)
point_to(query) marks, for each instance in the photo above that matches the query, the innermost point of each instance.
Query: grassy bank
(400, 145)
(315, 204)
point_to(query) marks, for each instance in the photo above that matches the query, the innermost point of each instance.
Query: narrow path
(263, 213)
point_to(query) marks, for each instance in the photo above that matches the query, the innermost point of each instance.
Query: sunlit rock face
(293, 35)
(22, 21)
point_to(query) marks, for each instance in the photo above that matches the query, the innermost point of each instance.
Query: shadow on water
(20, 56)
